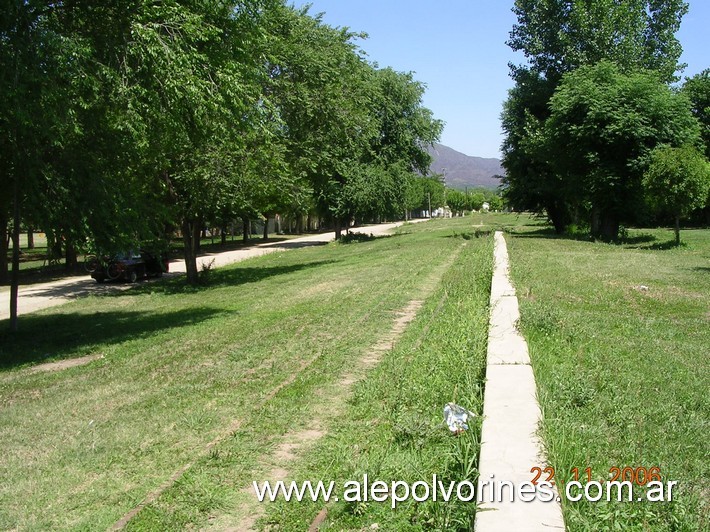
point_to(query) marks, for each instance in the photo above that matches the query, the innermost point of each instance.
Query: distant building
(442, 212)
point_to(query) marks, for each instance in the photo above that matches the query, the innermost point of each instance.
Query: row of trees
(593, 115)
(122, 120)
(461, 202)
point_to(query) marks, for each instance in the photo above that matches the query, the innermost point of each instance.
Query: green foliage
(677, 181)
(530, 183)
(124, 121)
(352, 133)
(558, 37)
(405, 128)
(602, 128)
(457, 201)
(697, 89)
(460, 202)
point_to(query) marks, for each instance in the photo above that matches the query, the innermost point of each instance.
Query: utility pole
(443, 173)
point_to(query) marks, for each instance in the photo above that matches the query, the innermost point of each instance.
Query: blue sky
(457, 48)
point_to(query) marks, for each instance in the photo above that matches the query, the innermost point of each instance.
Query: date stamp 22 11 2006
(619, 486)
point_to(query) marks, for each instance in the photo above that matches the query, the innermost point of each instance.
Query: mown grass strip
(619, 338)
(86, 444)
(393, 427)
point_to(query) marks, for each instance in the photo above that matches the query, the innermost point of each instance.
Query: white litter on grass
(456, 417)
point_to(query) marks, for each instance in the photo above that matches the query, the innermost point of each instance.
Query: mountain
(463, 170)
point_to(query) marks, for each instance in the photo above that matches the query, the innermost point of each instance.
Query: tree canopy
(598, 138)
(589, 104)
(697, 89)
(677, 181)
(127, 119)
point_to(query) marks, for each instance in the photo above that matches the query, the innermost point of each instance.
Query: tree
(405, 127)
(530, 183)
(353, 133)
(457, 201)
(34, 118)
(697, 89)
(677, 181)
(557, 37)
(602, 128)
(193, 96)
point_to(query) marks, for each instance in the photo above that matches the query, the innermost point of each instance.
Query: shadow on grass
(243, 275)
(60, 336)
(354, 237)
(638, 239)
(544, 232)
(219, 278)
(662, 246)
(295, 245)
(468, 235)
(631, 242)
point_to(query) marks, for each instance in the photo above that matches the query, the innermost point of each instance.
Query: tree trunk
(198, 235)
(71, 257)
(558, 217)
(30, 238)
(338, 229)
(609, 227)
(189, 231)
(595, 223)
(677, 230)
(56, 253)
(246, 227)
(4, 248)
(224, 235)
(299, 225)
(15, 277)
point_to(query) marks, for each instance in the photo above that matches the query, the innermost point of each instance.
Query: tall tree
(559, 36)
(35, 116)
(602, 128)
(530, 183)
(193, 96)
(697, 89)
(320, 85)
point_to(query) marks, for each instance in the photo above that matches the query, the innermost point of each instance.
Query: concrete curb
(511, 413)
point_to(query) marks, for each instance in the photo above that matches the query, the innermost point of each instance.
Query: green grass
(392, 428)
(84, 445)
(619, 338)
(622, 374)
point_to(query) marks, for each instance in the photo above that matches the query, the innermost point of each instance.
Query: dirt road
(44, 295)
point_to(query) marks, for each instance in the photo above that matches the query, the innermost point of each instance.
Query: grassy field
(329, 362)
(619, 338)
(218, 376)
